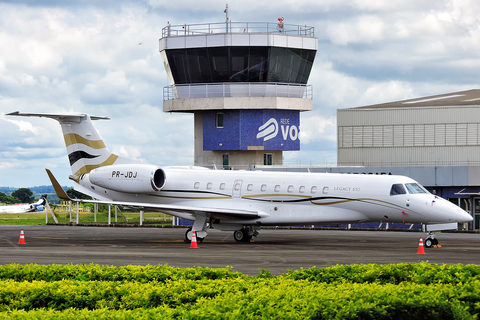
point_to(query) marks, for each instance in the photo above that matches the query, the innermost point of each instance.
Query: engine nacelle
(131, 178)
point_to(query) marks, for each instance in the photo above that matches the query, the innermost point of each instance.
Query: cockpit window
(397, 189)
(415, 188)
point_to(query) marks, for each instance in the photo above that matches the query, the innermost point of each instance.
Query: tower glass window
(240, 64)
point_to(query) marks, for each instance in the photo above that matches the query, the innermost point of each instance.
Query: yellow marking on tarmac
(48, 238)
(165, 241)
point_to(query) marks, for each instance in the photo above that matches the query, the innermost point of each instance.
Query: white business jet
(243, 201)
(25, 207)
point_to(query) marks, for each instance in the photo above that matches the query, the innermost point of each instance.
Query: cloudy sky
(84, 56)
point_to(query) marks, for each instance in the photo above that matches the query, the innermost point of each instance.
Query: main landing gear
(430, 240)
(245, 234)
(188, 236)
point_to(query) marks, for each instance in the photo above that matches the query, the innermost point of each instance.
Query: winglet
(58, 189)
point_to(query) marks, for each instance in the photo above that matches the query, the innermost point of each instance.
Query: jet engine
(131, 178)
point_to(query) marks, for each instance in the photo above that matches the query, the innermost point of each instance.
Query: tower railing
(237, 27)
(237, 89)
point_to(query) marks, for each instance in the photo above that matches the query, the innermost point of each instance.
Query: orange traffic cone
(194, 241)
(22, 238)
(420, 247)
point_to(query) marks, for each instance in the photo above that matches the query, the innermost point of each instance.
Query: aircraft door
(237, 189)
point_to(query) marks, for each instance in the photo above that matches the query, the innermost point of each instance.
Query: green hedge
(402, 291)
(93, 272)
(422, 273)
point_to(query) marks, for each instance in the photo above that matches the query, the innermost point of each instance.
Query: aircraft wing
(220, 213)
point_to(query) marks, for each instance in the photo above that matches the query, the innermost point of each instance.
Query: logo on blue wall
(269, 130)
(247, 129)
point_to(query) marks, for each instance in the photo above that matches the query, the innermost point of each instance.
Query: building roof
(461, 98)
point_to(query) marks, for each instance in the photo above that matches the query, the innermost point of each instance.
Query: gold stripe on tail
(72, 138)
(90, 167)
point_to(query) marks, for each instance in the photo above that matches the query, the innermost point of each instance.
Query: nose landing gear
(430, 240)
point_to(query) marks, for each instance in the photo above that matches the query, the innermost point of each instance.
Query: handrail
(237, 27)
(237, 89)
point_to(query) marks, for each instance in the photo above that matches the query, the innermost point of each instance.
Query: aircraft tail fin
(86, 149)
(57, 187)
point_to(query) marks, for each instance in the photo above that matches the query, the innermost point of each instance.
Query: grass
(102, 217)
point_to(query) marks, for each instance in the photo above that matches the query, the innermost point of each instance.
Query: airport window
(397, 189)
(250, 187)
(267, 159)
(225, 161)
(209, 185)
(222, 186)
(301, 189)
(313, 190)
(290, 189)
(263, 188)
(240, 64)
(219, 121)
(415, 188)
(277, 188)
(196, 185)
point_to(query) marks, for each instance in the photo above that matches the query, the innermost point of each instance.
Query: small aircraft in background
(243, 201)
(25, 207)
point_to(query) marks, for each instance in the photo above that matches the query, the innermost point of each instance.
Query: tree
(8, 199)
(24, 194)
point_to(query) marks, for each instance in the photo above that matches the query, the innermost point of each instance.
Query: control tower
(245, 83)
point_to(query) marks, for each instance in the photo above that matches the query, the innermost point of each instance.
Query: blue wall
(241, 129)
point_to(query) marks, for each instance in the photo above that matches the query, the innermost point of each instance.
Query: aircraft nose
(466, 217)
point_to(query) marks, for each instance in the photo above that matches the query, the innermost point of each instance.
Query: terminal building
(434, 140)
(245, 83)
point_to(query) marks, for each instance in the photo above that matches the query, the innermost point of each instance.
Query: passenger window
(301, 189)
(250, 187)
(325, 190)
(237, 186)
(397, 189)
(222, 186)
(290, 189)
(263, 188)
(209, 185)
(314, 189)
(196, 185)
(277, 188)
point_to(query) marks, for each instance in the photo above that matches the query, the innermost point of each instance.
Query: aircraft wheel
(239, 235)
(187, 240)
(428, 243)
(435, 242)
(200, 239)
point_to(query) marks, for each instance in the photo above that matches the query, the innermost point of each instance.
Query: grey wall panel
(444, 176)
(459, 175)
(454, 114)
(410, 156)
(424, 175)
(474, 176)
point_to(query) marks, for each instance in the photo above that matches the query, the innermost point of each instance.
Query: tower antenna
(226, 16)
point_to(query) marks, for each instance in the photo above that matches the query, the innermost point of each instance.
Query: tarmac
(276, 250)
